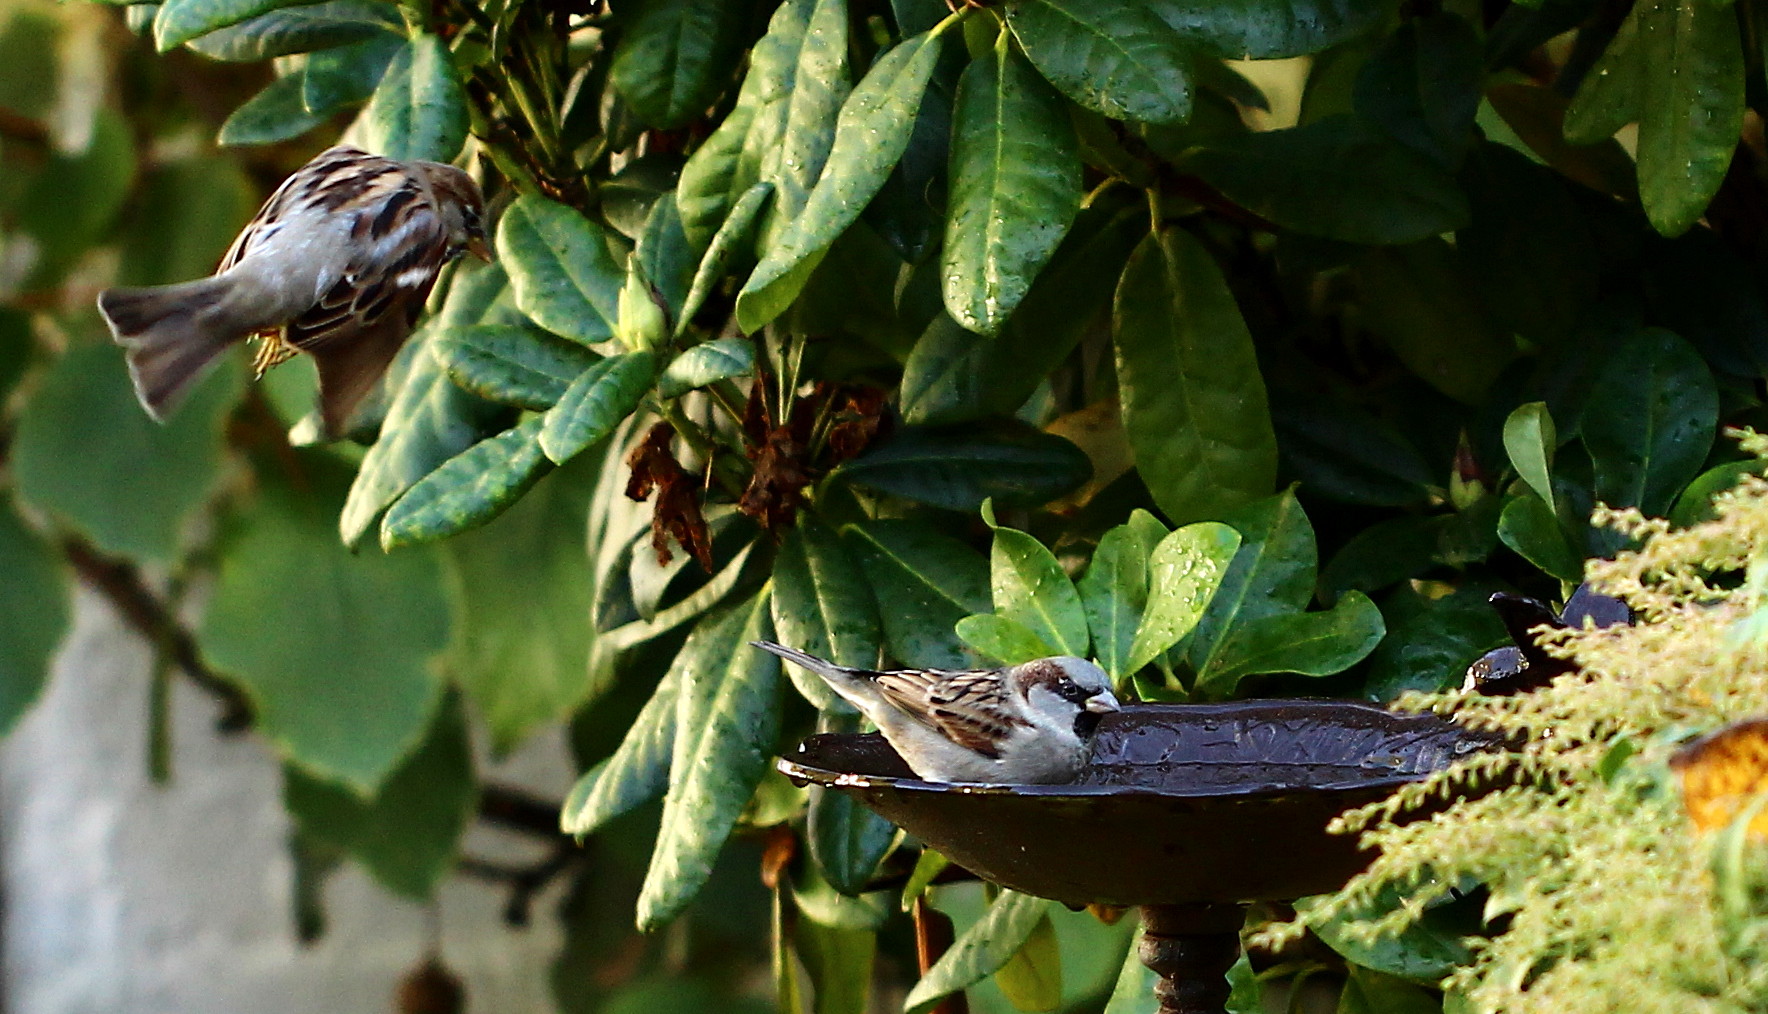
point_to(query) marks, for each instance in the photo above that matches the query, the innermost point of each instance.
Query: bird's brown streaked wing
(371, 289)
(334, 176)
(968, 708)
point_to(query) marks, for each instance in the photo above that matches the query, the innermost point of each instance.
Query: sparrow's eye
(1068, 690)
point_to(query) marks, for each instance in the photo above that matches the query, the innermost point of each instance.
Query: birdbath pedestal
(1188, 811)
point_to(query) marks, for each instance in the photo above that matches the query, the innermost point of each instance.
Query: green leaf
(1003, 639)
(419, 110)
(1337, 450)
(664, 257)
(928, 865)
(334, 650)
(300, 29)
(981, 951)
(1184, 570)
(87, 455)
(1423, 86)
(564, 275)
(1133, 992)
(958, 468)
(638, 771)
(870, 135)
(1370, 992)
(1030, 588)
(1015, 187)
(1530, 440)
(596, 402)
(185, 214)
(1308, 644)
(1530, 527)
(1677, 67)
(1267, 29)
(408, 832)
(727, 717)
(1335, 178)
(469, 489)
(1115, 57)
(728, 164)
(1032, 977)
(674, 57)
(34, 600)
(707, 363)
(1431, 642)
(1417, 299)
(1193, 399)
(1652, 427)
(347, 75)
(730, 242)
(522, 657)
(275, 114)
(1246, 994)
(804, 127)
(847, 840)
(510, 364)
(702, 600)
(925, 583)
(1114, 593)
(429, 419)
(179, 21)
(840, 963)
(1695, 504)
(1272, 574)
(822, 604)
(70, 204)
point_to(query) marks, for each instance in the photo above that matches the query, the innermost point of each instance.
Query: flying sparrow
(1025, 724)
(337, 264)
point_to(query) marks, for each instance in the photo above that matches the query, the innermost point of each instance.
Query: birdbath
(1188, 811)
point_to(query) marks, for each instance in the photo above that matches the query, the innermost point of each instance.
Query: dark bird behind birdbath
(1189, 811)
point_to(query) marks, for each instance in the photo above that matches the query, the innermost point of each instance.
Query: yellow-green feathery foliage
(1603, 895)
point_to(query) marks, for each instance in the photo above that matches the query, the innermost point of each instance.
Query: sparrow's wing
(968, 708)
(334, 176)
(349, 370)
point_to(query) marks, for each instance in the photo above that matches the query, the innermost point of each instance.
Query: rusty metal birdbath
(1189, 811)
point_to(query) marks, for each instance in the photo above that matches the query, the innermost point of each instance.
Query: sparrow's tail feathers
(805, 659)
(172, 334)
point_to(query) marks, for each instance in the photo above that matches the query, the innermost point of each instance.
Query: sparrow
(1031, 723)
(337, 264)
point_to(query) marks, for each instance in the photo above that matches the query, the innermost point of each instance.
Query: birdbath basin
(1189, 811)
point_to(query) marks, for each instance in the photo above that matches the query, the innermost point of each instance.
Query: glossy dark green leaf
(407, 834)
(823, 604)
(510, 364)
(564, 276)
(1335, 178)
(638, 770)
(982, 949)
(730, 243)
(1416, 298)
(469, 489)
(1032, 977)
(523, 658)
(1423, 86)
(1431, 642)
(958, 468)
(275, 114)
(702, 600)
(924, 583)
(1530, 440)
(1266, 29)
(419, 110)
(1308, 644)
(429, 419)
(674, 58)
(728, 164)
(1184, 572)
(87, 455)
(1675, 67)
(1425, 951)
(665, 256)
(1005, 640)
(1114, 594)
(1529, 527)
(1696, 502)
(870, 135)
(1272, 574)
(804, 128)
(299, 29)
(1370, 992)
(34, 600)
(597, 401)
(840, 964)
(707, 363)
(846, 839)
(1030, 588)
(180, 21)
(1115, 57)
(1015, 186)
(953, 375)
(1339, 451)
(1652, 423)
(727, 717)
(909, 208)
(1193, 399)
(345, 684)
(344, 76)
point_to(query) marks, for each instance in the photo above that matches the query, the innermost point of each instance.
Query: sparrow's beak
(480, 249)
(1102, 703)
